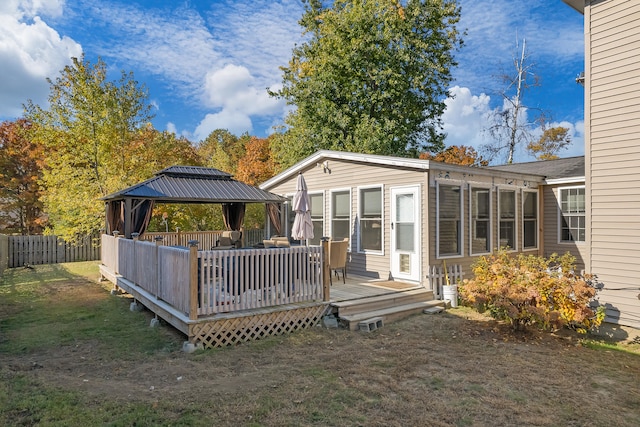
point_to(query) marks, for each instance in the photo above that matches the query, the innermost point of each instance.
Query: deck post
(326, 284)
(193, 279)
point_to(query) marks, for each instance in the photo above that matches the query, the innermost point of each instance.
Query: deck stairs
(370, 313)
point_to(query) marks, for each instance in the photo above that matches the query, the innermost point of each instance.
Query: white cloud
(233, 88)
(223, 58)
(465, 117)
(235, 122)
(30, 51)
(171, 128)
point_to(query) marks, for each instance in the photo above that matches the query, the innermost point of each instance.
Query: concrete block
(433, 310)
(330, 321)
(370, 325)
(189, 347)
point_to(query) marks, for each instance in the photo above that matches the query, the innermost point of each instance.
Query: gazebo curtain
(141, 215)
(233, 215)
(274, 216)
(115, 216)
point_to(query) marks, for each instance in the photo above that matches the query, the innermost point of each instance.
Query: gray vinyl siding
(551, 228)
(613, 153)
(352, 176)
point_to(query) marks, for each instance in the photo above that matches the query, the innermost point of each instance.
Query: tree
(550, 143)
(222, 150)
(371, 78)
(457, 155)
(509, 124)
(20, 171)
(257, 164)
(87, 132)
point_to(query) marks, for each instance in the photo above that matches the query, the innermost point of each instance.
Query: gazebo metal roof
(192, 184)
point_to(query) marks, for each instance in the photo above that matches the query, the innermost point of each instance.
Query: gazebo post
(128, 219)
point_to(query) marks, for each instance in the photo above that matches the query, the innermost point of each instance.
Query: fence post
(4, 253)
(326, 284)
(193, 279)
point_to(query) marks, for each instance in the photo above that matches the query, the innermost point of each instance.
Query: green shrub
(531, 290)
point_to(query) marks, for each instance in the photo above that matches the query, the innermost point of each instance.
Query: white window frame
(460, 221)
(515, 217)
(324, 212)
(331, 210)
(472, 219)
(359, 216)
(524, 229)
(561, 215)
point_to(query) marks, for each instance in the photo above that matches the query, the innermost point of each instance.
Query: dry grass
(451, 369)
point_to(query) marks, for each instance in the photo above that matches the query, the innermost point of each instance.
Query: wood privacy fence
(18, 251)
(206, 239)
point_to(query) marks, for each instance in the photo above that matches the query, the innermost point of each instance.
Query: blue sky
(207, 64)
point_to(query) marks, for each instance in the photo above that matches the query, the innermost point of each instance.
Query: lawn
(71, 354)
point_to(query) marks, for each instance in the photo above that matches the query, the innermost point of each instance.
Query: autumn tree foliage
(457, 155)
(371, 77)
(528, 290)
(550, 143)
(222, 150)
(257, 165)
(20, 172)
(88, 131)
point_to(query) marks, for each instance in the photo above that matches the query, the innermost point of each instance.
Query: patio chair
(228, 240)
(338, 258)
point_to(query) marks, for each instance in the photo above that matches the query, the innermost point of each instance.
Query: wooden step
(389, 314)
(379, 302)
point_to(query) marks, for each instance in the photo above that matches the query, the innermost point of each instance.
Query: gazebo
(128, 211)
(216, 296)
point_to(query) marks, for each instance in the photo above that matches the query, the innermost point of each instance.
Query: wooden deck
(271, 292)
(357, 287)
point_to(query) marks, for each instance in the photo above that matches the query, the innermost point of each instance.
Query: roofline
(560, 181)
(576, 5)
(409, 163)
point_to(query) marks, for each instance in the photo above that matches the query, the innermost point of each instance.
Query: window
(572, 215)
(480, 220)
(370, 219)
(530, 219)
(340, 214)
(507, 216)
(449, 206)
(317, 217)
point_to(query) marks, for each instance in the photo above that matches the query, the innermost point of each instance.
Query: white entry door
(405, 233)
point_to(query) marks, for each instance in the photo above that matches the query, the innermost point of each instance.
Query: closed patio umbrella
(302, 225)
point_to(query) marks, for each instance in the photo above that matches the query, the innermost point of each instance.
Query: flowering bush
(532, 290)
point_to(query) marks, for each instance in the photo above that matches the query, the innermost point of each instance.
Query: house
(612, 152)
(403, 215)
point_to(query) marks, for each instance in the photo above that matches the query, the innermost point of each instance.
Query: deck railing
(199, 283)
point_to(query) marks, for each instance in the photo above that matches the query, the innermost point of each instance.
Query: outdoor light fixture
(325, 166)
(580, 79)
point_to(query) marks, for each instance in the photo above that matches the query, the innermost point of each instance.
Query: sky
(207, 64)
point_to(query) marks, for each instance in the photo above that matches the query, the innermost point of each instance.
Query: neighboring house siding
(551, 229)
(613, 153)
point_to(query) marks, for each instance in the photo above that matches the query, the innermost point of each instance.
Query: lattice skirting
(229, 331)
